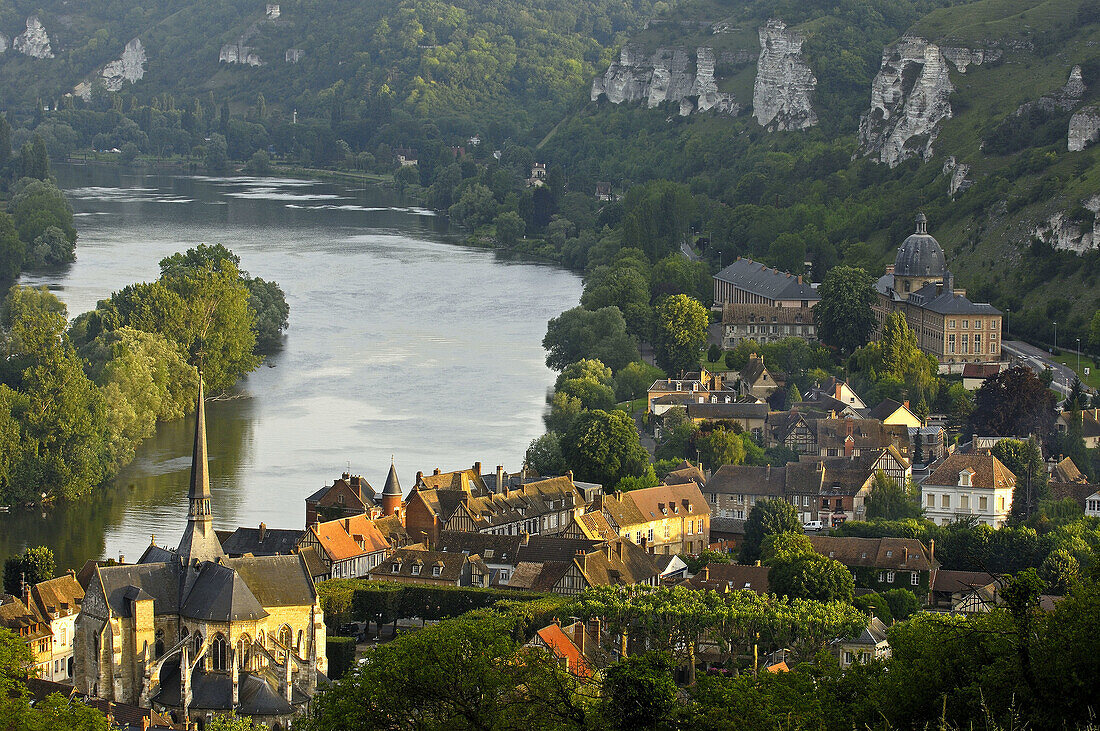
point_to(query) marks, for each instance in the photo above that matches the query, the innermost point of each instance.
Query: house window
(983, 503)
(395, 568)
(666, 530)
(740, 514)
(1001, 503)
(416, 569)
(889, 577)
(978, 343)
(638, 538)
(964, 502)
(931, 500)
(881, 576)
(914, 578)
(951, 343)
(502, 576)
(965, 343)
(436, 571)
(691, 526)
(650, 535)
(945, 501)
(966, 324)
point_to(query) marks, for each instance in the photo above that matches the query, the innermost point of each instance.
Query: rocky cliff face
(239, 53)
(909, 102)
(1067, 234)
(666, 75)
(963, 57)
(957, 172)
(4, 43)
(33, 41)
(1084, 128)
(782, 93)
(130, 67)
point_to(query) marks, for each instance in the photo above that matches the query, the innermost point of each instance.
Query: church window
(198, 643)
(285, 635)
(158, 647)
(219, 653)
(298, 646)
(244, 653)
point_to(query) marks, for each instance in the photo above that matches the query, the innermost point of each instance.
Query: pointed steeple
(391, 494)
(199, 541)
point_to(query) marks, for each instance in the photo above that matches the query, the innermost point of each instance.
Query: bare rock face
(666, 75)
(294, 55)
(1067, 234)
(130, 67)
(963, 57)
(781, 96)
(4, 43)
(239, 53)
(1084, 128)
(33, 41)
(958, 172)
(909, 102)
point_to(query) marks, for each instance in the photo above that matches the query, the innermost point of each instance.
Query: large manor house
(764, 305)
(189, 631)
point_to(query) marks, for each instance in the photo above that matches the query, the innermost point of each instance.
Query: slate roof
(214, 691)
(528, 501)
(159, 580)
(276, 581)
(262, 541)
(873, 634)
(708, 410)
(731, 577)
(951, 582)
(752, 276)
(620, 563)
(491, 548)
(541, 549)
(884, 409)
(989, 472)
(450, 565)
(920, 255)
(686, 472)
(981, 370)
(881, 553)
(748, 480)
(220, 595)
(393, 485)
(866, 433)
(943, 301)
(123, 715)
(1078, 492)
(313, 563)
(538, 576)
(731, 526)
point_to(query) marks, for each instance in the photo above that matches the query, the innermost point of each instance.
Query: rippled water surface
(401, 343)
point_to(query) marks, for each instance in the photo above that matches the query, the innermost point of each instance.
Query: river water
(402, 344)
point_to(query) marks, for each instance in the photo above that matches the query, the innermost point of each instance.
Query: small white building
(969, 485)
(1092, 505)
(58, 601)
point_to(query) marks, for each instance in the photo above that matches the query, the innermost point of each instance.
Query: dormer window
(436, 571)
(965, 478)
(395, 568)
(416, 569)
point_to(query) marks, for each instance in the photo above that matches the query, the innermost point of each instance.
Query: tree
(634, 379)
(587, 369)
(38, 205)
(259, 164)
(875, 604)
(34, 160)
(1061, 571)
(843, 316)
(1025, 460)
(591, 393)
(579, 333)
(230, 722)
(11, 249)
(272, 313)
(793, 397)
(767, 517)
(784, 547)
(676, 274)
(811, 576)
(544, 455)
(639, 692)
(510, 227)
(714, 353)
(619, 285)
(603, 447)
(903, 603)
(681, 331)
(721, 447)
(890, 501)
(216, 155)
(1013, 403)
(564, 410)
(36, 564)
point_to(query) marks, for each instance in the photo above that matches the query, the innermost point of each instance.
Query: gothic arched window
(219, 653)
(244, 653)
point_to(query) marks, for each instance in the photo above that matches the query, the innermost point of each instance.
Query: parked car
(812, 525)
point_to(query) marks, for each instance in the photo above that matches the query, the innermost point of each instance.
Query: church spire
(199, 541)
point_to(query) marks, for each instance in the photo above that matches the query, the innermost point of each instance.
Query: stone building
(765, 324)
(191, 632)
(947, 325)
(749, 282)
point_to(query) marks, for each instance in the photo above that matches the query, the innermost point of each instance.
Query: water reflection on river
(400, 343)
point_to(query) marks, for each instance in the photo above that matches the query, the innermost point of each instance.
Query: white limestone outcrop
(294, 55)
(1067, 234)
(783, 92)
(958, 172)
(963, 57)
(909, 102)
(4, 43)
(129, 67)
(239, 53)
(665, 75)
(1084, 128)
(34, 41)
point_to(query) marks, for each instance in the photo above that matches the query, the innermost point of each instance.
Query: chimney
(477, 468)
(500, 477)
(263, 531)
(345, 476)
(904, 555)
(608, 550)
(121, 558)
(436, 471)
(347, 525)
(419, 476)
(839, 389)
(849, 425)
(524, 538)
(932, 551)
(905, 404)
(619, 549)
(580, 636)
(569, 474)
(768, 472)
(849, 447)
(706, 573)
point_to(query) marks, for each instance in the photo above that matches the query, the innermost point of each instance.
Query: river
(403, 344)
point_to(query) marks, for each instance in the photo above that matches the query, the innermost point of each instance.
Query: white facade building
(969, 485)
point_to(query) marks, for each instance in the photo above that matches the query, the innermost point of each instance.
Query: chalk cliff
(1084, 128)
(783, 92)
(668, 74)
(1062, 232)
(129, 67)
(909, 102)
(34, 41)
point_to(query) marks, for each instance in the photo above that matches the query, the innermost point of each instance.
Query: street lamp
(1055, 335)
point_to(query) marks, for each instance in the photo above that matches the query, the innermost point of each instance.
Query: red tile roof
(560, 644)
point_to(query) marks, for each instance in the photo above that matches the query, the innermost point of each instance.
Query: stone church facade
(191, 632)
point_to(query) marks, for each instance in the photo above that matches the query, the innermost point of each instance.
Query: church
(947, 324)
(191, 632)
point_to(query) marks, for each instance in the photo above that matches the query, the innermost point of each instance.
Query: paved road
(1037, 359)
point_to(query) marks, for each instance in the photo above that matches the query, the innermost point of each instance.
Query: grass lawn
(632, 407)
(712, 366)
(1070, 359)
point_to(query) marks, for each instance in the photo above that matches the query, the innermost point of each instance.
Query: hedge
(340, 652)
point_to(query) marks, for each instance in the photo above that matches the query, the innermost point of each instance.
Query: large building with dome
(947, 324)
(191, 632)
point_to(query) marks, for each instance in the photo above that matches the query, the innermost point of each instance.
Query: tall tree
(811, 576)
(34, 565)
(767, 517)
(1025, 460)
(890, 501)
(603, 447)
(844, 317)
(579, 333)
(1014, 403)
(681, 331)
